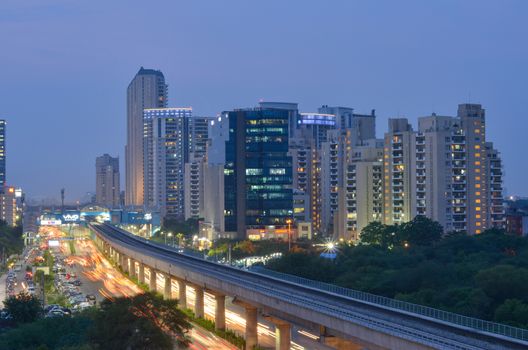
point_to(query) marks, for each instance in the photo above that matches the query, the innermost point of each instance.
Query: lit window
(477, 162)
(477, 170)
(477, 146)
(477, 131)
(477, 208)
(478, 223)
(477, 193)
(477, 155)
(477, 178)
(477, 201)
(477, 216)
(478, 231)
(477, 185)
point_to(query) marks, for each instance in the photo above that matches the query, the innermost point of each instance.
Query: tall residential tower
(146, 90)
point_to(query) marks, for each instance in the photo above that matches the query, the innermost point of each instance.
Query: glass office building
(258, 171)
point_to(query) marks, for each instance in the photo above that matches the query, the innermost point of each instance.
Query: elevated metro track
(372, 325)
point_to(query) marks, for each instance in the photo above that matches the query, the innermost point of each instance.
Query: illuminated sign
(148, 216)
(317, 119)
(50, 222)
(53, 243)
(71, 217)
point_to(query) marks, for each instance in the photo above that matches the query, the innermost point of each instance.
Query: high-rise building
(107, 188)
(146, 90)
(398, 161)
(8, 205)
(2, 153)
(446, 171)
(258, 173)
(362, 200)
(165, 153)
(337, 152)
(197, 135)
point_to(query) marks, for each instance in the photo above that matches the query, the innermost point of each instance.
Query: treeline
(483, 276)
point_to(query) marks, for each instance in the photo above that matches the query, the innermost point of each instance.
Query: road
(101, 279)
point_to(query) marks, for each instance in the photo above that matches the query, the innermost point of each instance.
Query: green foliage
(420, 231)
(188, 227)
(245, 248)
(145, 321)
(23, 308)
(513, 312)
(49, 333)
(477, 276)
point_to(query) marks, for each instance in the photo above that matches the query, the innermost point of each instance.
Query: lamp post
(289, 221)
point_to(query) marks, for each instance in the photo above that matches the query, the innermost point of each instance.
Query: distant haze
(66, 66)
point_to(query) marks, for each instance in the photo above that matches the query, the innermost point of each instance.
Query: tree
(50, 333)
(514, 312)
(376, 233)
(23, 308)
(420, 231)
(145, 321)
(503, 282)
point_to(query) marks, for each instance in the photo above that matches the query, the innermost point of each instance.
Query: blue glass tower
(258, 171)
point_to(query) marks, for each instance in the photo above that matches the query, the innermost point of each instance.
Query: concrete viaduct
(343, 322)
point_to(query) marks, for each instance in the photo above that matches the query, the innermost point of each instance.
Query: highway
(415, 328)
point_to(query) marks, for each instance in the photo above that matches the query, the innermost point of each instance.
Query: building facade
(165, 153)
(258, 173)
(107, 188)
(146, 90)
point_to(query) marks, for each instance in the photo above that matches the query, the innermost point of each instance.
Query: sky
(66, 64)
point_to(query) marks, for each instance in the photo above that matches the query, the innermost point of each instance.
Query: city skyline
(436, 73)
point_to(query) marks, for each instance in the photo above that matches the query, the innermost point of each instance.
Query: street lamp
(289, 221)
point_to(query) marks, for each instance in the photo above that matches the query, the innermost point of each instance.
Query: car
(55, 313)
(50, 307)
(4, 315)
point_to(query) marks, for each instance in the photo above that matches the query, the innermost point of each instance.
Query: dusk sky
(66, 65)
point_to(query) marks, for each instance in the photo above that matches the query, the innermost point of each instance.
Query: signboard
(53, 243)
(50, 222)
(72, 217)
(317, 119)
